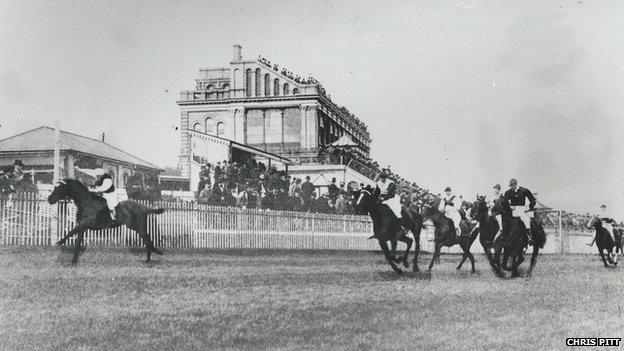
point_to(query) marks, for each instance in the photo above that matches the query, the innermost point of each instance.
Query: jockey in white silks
(386, 190)
(104, 185)
(450, 206)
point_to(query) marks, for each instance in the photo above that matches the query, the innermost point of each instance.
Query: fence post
(561, 233)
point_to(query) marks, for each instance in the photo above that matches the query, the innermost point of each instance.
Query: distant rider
(450, 206)
(104, 185)
(607, 223)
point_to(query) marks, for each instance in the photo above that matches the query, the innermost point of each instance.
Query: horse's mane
(75, 183)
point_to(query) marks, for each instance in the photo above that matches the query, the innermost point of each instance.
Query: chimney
(237, 53)
(103, 137)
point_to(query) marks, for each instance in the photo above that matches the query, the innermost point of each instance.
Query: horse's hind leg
(77, 247)
(408, 241)
(74, 231)
(604, 260)
(461, 263)
(416, 251)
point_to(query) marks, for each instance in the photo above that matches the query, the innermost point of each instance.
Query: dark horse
(445, 235)
(386, 228)
(514, 242)
(605, 242)
(93, 214)
(488, 227)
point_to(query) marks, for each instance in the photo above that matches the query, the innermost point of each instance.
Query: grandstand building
(277, 116)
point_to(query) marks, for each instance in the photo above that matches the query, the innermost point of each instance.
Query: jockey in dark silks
(104, 185)
(386, 190)
(517, 197)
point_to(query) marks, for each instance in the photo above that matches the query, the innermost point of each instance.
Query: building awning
(242, 147)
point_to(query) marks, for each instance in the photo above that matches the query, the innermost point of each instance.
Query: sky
(463, 94)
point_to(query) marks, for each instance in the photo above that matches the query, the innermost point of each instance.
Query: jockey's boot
(112, 214)
(458, 232)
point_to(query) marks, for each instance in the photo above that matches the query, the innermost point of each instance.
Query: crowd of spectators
(14, 180)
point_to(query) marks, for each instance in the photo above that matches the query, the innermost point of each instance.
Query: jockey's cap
(603, 206)
(497, 186)
(447, 188)
(513, 182)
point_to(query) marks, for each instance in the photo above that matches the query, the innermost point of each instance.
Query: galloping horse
(93, 214)
(605, 242)
(445, 235)
(488, 227)
(386, 229)
(514, 242)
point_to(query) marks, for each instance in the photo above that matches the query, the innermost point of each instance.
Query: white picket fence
(185, 225)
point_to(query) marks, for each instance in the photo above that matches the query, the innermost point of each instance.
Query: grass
(250, 300)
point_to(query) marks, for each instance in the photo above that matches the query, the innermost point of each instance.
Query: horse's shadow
(407, 275)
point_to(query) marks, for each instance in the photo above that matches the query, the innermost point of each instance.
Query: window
(295, 91)
(197, 127)
(292, 125)
(267, 85)
(220, 129)
(273, 126)
(125, 180)
(209, 125)
(286, 89)
(258, 86)
(276, 86)
(248, 82)
(255, 127)
(225, 86)
(209, 87)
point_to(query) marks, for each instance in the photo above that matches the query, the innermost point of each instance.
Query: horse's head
(60, 192)
(479, 209)
(67, 188)
(365, 203)
(430, 209)
(595, 223)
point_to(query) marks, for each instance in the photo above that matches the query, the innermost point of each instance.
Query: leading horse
(488, 227)
(514, 243)
(93, 214)
(386, 228)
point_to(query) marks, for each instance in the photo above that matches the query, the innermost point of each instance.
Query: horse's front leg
(533, 261)
(436, 255)
(77, 229)
(77, 247)
(604, 260)
(417, 250)
(461, 263)
(408, 241)
(384, 247)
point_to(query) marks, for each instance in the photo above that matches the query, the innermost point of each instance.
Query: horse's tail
(158, 210)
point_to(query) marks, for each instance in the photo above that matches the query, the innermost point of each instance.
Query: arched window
(295, 91)
(267, 85)
(197, 127)
(248, 82)
(209, 125)
(209, 87)
(125, 180)
(258, 86)
(286, 89)
(225, 86)
(220, 129)
(276, 86)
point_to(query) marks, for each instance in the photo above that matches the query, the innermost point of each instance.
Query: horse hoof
(399, 272)
(473, 271)
(458, 267)
(415, 269)
(60, 243)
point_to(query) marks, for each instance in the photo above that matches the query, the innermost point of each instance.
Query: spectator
(333, 190)
(204, 195)
(343, 206)
(307, 192)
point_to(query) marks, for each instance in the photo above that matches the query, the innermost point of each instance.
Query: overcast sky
(458, 93)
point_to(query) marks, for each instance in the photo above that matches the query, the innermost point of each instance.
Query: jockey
(450, 206)
(498, 205)
(607, 223)
(104, 185)
(517, 197)
(386, 191)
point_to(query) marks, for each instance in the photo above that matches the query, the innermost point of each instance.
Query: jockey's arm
(457, 203)
(106, 184)
(441, 205)
(531, 198)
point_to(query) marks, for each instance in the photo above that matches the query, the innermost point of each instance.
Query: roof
(42, 139)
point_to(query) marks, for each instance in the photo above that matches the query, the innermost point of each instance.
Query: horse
(445, 235)
(605, 242)
(488, 227)
(386, 228)
(514, 242)
(93, 214)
